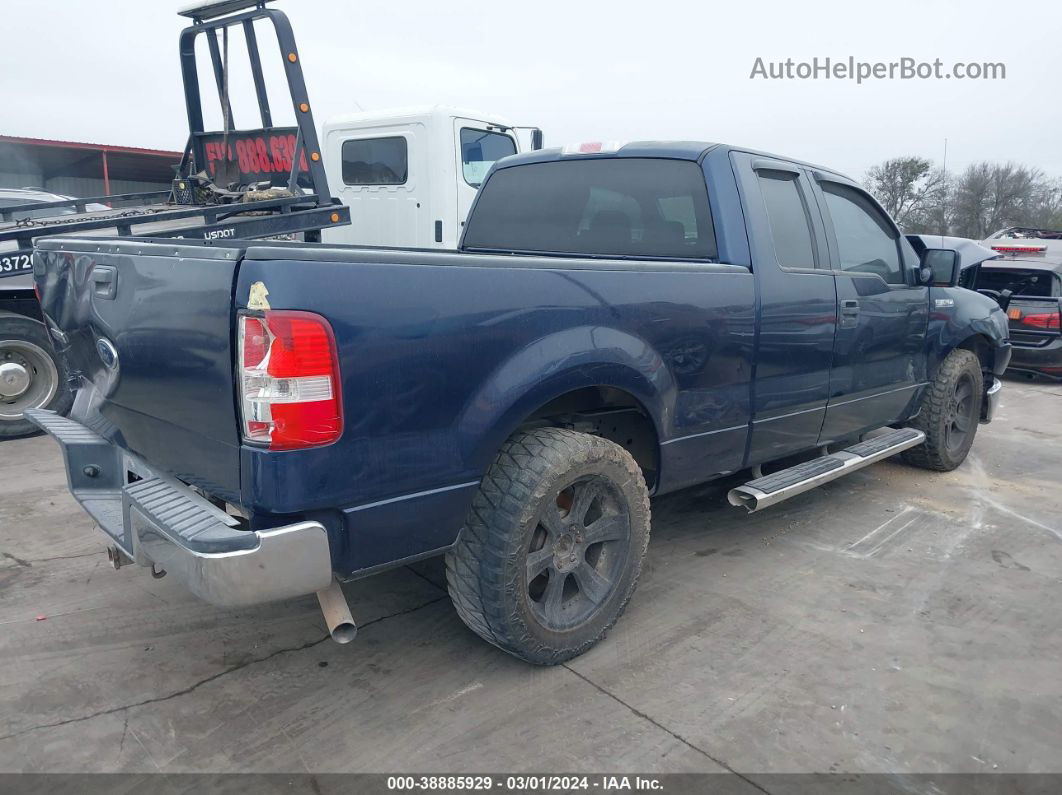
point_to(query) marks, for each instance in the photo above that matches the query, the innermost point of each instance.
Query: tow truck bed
(253, 219)
(265, 181)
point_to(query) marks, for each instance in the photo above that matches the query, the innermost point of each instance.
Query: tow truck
(265, 182)
(409, 174)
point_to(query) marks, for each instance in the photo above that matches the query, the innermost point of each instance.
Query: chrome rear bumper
(157, 520)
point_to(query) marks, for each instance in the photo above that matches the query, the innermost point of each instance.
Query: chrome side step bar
(771, 489)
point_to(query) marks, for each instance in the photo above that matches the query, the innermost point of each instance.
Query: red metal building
(83, 169)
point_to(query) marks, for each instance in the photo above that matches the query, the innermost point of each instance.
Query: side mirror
(939, 267)
(536, 139)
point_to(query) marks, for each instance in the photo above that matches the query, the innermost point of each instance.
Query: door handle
(105, 281)
(849, 313)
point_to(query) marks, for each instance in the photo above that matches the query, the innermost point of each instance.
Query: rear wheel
(553, 545)
(30, 375)
(951, 410)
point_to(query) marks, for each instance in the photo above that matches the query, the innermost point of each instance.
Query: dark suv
(1030, 273)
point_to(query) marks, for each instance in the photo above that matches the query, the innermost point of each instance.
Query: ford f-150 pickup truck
(263, 421)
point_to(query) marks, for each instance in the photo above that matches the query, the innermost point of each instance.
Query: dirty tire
(575, 509)
(25, 341)
(951, 410)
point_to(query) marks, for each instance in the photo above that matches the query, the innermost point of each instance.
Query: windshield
(479, 150)
(619, 207)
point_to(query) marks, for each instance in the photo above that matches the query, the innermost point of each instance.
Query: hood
(970, 252)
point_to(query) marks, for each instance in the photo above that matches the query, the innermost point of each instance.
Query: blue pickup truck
(265, 420)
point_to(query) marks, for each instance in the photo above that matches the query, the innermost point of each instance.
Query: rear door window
(643, 208)
(787, 213)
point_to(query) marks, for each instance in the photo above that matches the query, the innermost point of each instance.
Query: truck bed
(440, 352)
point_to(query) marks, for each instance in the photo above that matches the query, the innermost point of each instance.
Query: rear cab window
(640, 208)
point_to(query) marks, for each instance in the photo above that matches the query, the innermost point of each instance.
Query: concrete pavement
(893, 621)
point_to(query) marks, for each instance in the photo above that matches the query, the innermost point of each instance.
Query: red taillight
(1042, 320)
(254, 341)
(289, 380)
(302, 345)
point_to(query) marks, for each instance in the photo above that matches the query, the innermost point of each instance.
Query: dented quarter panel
(169, 397)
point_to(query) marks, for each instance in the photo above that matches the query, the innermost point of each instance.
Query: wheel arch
(574, 372)
(979, 345)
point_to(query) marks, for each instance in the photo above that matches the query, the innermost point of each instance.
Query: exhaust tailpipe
(336, 612)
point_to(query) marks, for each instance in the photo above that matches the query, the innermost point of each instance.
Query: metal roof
(132, 150)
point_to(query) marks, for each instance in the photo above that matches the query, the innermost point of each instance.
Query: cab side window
(479, 150)
(866, 241)
(375, 161)
(788, 217)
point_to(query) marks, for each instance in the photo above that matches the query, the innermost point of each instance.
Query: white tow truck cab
(409, 176)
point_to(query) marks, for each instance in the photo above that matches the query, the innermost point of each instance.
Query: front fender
(575, 358)
(957, 315)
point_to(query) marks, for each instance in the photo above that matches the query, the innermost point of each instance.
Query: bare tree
(1046, 210)
(990, 196)
(907, 188)
(982, 199)
(970, 199)
(934, 214)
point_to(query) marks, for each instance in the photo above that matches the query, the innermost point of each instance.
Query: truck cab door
(797, 306)
(477, 145)
(879, 358)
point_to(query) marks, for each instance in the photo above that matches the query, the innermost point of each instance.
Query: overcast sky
(107, 71)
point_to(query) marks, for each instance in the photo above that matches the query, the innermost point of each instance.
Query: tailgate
(146, 331)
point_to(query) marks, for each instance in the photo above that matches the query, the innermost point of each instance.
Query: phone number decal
(257, 154)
